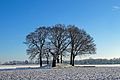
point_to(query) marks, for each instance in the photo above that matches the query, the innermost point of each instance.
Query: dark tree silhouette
(26, 62)
(81, 43)
(59, 39)
(46, 54)
(35, 42)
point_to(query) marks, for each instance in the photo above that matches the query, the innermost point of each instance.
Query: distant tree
(81, 43)
(99, 61)
(35, 42)
(26, 62)
(59, 39)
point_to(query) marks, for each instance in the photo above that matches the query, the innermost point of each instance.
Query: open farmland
(69, 73)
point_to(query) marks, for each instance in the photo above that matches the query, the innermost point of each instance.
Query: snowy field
(34, 65)
(17, 66)
(64, 73)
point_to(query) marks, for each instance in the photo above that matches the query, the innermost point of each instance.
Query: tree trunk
(47, 61)
(71, 57)
(61, 57)
(40, 60)
(73, 60)
(58, 60)
(54, 62)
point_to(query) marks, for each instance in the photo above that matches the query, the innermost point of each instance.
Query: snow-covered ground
(63, 72)
(17, 66)
(34, 65)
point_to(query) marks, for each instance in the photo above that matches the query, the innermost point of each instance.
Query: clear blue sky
(100, 18)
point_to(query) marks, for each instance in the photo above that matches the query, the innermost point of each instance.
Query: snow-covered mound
(59, 66)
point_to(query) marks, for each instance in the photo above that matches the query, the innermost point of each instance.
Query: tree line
(58, 40)
(99, 61)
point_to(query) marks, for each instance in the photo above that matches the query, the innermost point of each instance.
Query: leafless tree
(59, 39)
(56, 40)
(46, 53)
(81, 43)
(35, 42)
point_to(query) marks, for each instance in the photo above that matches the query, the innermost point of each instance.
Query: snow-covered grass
(61, 65)
(20, 66)
(17, 66)
(63, 73)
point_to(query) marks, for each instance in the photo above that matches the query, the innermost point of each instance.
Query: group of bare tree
(58, 40)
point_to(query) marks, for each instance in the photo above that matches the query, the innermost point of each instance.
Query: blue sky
(100, 18)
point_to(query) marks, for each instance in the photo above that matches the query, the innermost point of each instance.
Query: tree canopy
(57, 40)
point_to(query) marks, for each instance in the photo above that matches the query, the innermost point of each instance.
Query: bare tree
(81, 43)
(59, 40)
(35, 42)
(46, 53)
